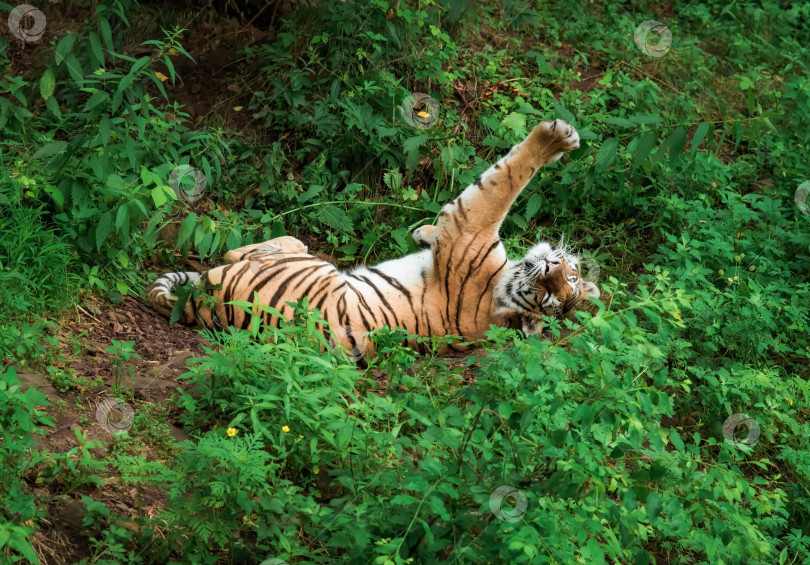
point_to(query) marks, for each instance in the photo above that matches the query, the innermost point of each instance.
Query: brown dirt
(163, 352)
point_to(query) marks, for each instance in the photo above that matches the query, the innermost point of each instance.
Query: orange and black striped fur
(459, 285)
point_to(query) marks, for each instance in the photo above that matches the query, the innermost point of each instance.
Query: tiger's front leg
(481, 208)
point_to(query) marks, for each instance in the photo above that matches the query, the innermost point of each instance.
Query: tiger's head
(547, 281)
(563, 286)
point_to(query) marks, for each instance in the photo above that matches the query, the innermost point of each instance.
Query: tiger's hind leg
(424, 236)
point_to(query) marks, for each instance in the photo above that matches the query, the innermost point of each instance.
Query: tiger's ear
(591, 289)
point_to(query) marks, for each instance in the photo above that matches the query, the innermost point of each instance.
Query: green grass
(611, 433)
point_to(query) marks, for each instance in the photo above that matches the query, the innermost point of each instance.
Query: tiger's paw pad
(556, 137)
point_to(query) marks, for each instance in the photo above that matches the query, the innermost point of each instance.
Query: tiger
(458, 284)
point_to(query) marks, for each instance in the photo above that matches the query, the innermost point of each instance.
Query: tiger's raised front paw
(553, 139)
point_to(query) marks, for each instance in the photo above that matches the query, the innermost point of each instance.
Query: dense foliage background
(608, 433)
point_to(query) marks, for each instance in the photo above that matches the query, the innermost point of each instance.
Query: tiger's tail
(162, 298)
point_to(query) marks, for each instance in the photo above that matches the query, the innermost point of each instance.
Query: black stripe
(228, 288)
(489, 282)
(473, 267)
(363, 304)
(399, 286)
(382, 299)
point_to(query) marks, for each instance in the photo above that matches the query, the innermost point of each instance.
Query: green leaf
(205, 245)
(50, 149)
(644, 146)
(542, 64)
(653, 316)
(653, 506)
(183, 293)
(676, 440)
(159, 196)
(622, 122)
(533, 205)
(336, 218)
(74, 68)
(563, 113)
(122, 287)
(47, 83)
(103, 228)
(677, 142)
(186, 229)
(53, 106)
(737, 132)
(414, 143)
(95, 47)
(234, 239)
(607, 154)
(122, 216)
(95, 100)
(697, 139)
(56, 194)
(516, 122)
(64, 47)
(646, 120)
(106, 33)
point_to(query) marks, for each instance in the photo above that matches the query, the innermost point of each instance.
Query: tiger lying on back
(459, 285)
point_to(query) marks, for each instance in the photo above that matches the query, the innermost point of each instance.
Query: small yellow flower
(423, 114)
(752, 268)
(300, 436)
(730, 280)
(285, 429)
(161, 76)
(714, 185)
(231, 432)
(736, 277)
(721, 272)
(739, 234)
